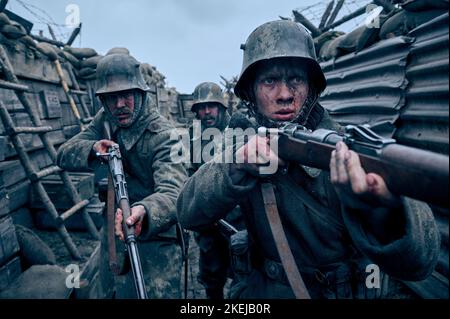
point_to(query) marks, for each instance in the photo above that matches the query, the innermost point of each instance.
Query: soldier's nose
(121, 102)
(285, 95)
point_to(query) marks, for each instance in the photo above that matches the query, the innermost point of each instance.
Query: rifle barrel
(136, 269)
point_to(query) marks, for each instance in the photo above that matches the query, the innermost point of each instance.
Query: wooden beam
(303, 20)
(74, 34)
(3, 4)
(355, 14)
(52, 34)
(335, 12)
(326, 14)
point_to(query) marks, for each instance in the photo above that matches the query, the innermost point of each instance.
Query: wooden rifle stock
(407, 171)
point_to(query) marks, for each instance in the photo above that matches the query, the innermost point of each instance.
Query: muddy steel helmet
(279, 39)
(207, 92)
(119, 72)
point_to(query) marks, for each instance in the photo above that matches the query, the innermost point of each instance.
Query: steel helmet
(278, 39)
(119, 72)
(207, 92)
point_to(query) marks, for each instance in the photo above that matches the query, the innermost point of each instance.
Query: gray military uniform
(331, 244)
(153, 181)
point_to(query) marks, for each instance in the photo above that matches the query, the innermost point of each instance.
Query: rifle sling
(284, 251)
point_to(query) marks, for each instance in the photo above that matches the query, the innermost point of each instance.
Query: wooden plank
(2, 146)
(51, 105)
(8, 240)
(35, 143)
(34, 67)
(10, 272)
(68, 118)
(22, 216)
(83, 182)
(18, 194)
(12, 172)
(44, 221)
(4, 202)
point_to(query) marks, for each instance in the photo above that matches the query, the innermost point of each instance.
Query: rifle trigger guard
(363, 133)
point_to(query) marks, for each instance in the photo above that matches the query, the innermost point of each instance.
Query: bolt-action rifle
(407, 171)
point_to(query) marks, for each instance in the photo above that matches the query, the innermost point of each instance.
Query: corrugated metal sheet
(368, 86)
(424, 120)
(402, 81)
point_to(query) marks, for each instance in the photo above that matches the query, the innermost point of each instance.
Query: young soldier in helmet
(210, 108)
(153, 181)
(335, 223)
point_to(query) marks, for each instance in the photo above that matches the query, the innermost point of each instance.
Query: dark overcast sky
(189, 41)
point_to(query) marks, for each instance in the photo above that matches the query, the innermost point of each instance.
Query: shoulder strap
(284, 251)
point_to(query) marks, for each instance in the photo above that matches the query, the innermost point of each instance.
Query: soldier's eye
(268, 81)
(297, 79)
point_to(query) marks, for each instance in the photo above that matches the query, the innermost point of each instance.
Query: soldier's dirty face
(208, 114)
(281, 88)
(121, 105)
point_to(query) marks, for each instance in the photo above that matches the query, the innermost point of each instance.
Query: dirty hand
(136, 219)
(254, 156)
(355, 188)
(102, 146)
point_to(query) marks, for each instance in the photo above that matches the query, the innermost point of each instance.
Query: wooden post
(326, 14)
(3, 4)
(74, 34)
(345, 19)
(335, 12)
(303, 20)
(52, 34)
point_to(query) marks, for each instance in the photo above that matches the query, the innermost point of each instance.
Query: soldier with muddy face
(336, 223)
(153, 181)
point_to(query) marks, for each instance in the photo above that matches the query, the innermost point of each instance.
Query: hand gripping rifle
(114, 159)
(407, 171)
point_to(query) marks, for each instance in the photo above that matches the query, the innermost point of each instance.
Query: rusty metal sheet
(424, 119)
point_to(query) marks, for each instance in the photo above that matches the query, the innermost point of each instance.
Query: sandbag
(90, 77)
(81, 53)
(69, 57)
(39, 282)
(33, 251)
(118, 50)
(4, 19)
(28, 41)
(358, 39)
(86, 72)
(330, 49)
(48, 50)
(404, 21)
(325, 37)
(13, 31)
(146, 68)
(91, 62)
(424, 5)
